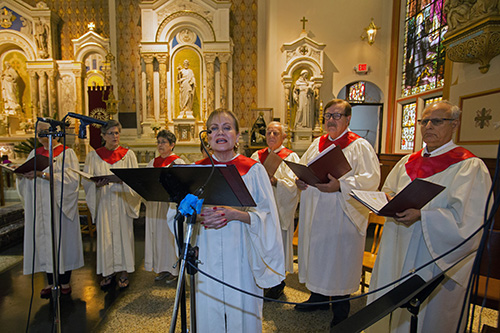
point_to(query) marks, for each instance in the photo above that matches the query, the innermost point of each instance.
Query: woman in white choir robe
(242, 247)
(71, 255)
(113, 207)
(160, 250)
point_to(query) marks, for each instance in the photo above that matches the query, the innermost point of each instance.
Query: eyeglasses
(434, 121)
(112, 133)
(335, 116)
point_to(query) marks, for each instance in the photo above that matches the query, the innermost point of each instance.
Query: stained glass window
(423, 52)
(408, 126)
(431, 101)
(357, 92)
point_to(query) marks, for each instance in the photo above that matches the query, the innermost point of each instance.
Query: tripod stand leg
(180, 292)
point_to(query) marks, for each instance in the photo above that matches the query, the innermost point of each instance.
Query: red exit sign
(362, 68)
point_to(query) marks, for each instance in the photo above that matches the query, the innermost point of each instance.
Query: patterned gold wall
(128, 34)
(244, 34)
(75, 16)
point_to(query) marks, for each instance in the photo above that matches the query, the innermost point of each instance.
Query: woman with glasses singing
(113, 207)
(160, 251)
(71, 254)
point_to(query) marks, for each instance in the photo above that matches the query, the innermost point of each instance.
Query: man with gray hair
(285, 193)
(416, 237)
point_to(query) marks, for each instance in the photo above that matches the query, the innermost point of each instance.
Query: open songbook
(112, 178)
(42, 162)
(415, 195)
(330, 161)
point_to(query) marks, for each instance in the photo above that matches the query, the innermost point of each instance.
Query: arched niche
(11, 39)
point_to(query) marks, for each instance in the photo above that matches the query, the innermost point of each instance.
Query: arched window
(423, 53)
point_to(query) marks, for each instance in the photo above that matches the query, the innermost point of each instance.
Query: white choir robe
(446, 221)
(249, 257)
(287, 198)
(160, 250)
(113, 208)
(332, 226)
(71, 256)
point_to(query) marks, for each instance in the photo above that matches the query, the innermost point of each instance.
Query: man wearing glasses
(332, 224)
(416, 237)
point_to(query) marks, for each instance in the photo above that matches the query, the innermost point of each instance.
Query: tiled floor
(79, 312)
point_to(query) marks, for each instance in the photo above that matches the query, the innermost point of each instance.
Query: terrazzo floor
(146, 306)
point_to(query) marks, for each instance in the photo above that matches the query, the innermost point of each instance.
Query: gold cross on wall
(303, 22)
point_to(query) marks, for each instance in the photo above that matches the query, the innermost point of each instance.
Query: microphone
(206, 131)
(53, 123)
(86, 119)
(84, 122)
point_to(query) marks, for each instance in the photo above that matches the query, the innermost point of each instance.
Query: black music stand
(410, 295)
(172, 184)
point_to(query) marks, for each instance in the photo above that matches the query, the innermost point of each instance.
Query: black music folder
(172, 184)
(331, 161)
(415, 195)
(42, 162)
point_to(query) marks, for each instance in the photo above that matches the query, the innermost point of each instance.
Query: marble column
(79, 91)
(53, 92)
(148, 59)
(163, 62)
(223, 59)
(44, 94)
(35, 102)
(210, 65)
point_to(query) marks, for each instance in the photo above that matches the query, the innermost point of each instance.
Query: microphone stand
(55, 258)
(189, 254)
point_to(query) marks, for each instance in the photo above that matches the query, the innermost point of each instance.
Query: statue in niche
(187, 87)
(10, 89)
(258, 133)
(303, 94)
(41, 37)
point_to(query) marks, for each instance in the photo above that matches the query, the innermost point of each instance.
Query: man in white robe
(285, 194)
(332, 224)
(418, 236)
(71, 255)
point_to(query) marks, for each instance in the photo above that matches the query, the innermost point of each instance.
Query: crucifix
(303, 23)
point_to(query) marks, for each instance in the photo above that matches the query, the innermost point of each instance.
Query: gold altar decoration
(477, 43)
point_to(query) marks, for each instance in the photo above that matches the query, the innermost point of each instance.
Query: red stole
(344, 141)
(111, 156)
(242, 163)
(160, 162)
(55, 151)
(423, 167)
(283, 153)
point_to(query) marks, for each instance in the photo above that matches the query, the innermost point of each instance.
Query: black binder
(172, 184)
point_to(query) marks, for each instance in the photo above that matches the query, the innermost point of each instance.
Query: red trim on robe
(242, 163)
(45, 152)
(160, 162)
(283, 153)
(344, 141)
(111, 156)
(423, 167)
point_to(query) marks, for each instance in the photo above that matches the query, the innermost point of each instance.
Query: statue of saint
(258, 133)
(187, 87)
(303, 93)
(10, 89)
